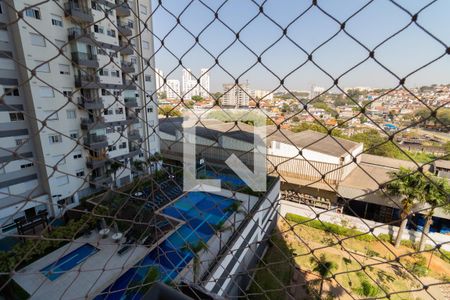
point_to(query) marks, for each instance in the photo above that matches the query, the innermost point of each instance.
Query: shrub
(409, 244)
(444, 255)
(367, 289)
(419, 267)
(372, 253)
(330, 227)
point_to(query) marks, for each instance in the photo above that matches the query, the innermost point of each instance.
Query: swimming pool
(68, 261)
(201, 211)
(228, 180)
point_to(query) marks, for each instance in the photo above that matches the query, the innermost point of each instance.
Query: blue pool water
(227, 179)
(68, 261)
(200, 211)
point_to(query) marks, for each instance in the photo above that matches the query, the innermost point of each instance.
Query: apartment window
(119, 111)
(42, 67)
(74, 135)
(109, 130)
(115, 73)
(143, 9)
(51, 115)
(4, 36)
(11, 92)
(20, 142)
(101, 51)
(98, 29)
(62, 180)
(111, 32)
(150, 109)
(80, 174)
(119, 129)
(130, 24)
(148, 78)
(113, 54)
(77, 156)
(67, 93)
(104, 93)
(61, 45)
(37, 40)
(64, 69)
(57, 21)
(103, 72)
(123, 145)
(28, 165)
(145, 45)
(33, 13)
(117, 93)
(7, 64)
(108, 112)
(95, 6)
(1, 8)
(112, 148)
(71, 114)
(46, 92)
(54, 139)
(16, 116)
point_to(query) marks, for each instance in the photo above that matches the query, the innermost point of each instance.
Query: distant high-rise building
(315, 91)
(235, 95)
(260, 94)
(172, 89)
(159, 79)
(189, 85)
(204, 83)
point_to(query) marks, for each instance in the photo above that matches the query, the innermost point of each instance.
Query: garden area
(365, 266)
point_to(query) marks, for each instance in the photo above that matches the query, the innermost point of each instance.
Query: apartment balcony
(132, 119)
(94, 162)
(90, 124)
(87, 81)
(91, 104)
(127, 67)
(79, 14)
(124, 30)
(122, 10)
(129, 84)
(131, 102)
(95, 142)
(134, 152)
(102, 181)
(126, 49)
(85, 59)
(81, 35)
(134, 135)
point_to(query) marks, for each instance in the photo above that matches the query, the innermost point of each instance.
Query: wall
(360, 224)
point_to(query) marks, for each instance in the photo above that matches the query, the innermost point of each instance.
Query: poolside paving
(99, 270)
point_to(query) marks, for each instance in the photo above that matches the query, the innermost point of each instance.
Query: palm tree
(437, 192)
(324, 267)
(113, 167)
(410, 186)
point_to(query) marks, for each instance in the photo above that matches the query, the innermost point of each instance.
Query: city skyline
(411, 49)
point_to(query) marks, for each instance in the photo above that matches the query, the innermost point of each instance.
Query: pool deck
(99, 270)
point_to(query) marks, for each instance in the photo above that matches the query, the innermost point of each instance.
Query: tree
(138, 165)
(197, 98)
(437, 192)
(113, 168)
(324, 267)
(410, 186)
(169, 111)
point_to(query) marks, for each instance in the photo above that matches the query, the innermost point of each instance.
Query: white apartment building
(172, 89)
(235, 95)
(315, 91)
(189, 85)
(91, 101)
(159, 79)
(261, 94)
(204, 83)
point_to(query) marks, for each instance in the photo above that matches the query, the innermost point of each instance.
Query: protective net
(120, 181)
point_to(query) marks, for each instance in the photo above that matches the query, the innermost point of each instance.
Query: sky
(282, 58)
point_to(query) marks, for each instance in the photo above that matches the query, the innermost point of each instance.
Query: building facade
(235, 95)
(204, 83)
(173, 89)
(77, 98)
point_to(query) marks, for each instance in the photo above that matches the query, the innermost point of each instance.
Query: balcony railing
(129, 84)
(127, 67)
(85, 59)
(102, 181)
(130, 102)
(79, 14)
(90, 124)
(124, 30)
(122, 9)
(81, 35)
(87, 81)
(134, 135)
(94, 162)
(93, 104)
(126, 48)
(94, 141)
